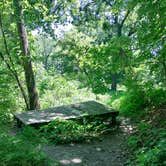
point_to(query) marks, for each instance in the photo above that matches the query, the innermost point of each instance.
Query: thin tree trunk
(11, 66)
(46, 61)
(164, 68)
(114, 82)
(15, 75)
(27, 64)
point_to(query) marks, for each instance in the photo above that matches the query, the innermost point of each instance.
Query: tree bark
(26, 59)
(114, 82)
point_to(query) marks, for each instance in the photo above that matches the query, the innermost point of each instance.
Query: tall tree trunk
(114, 74)
(46, 61)
(119, 27)
(26, 59)
(114, 82)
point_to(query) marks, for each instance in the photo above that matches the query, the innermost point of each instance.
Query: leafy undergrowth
(148, 142)
(15, 151)
(19, 150)
(148, 109)
(24, 149)
(65, 131)
(62, 131)
(136, 103)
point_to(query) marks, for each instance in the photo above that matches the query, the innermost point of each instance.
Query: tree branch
(124, 19)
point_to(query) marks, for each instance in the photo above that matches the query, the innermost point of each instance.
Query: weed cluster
(62, 131)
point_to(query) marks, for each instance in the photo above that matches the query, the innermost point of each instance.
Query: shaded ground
(110, 150)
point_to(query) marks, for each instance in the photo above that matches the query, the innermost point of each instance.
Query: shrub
(152, 157)
(130, 103)
(17, 152)
(31, 134)
(149, 145)
(137, 102)
(156, 97)
(147, 105)
(62, 131)
(133, 142)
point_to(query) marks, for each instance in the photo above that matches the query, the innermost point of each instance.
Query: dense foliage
(147, 110)
(61, 131)
(60, 52)
(15, 151)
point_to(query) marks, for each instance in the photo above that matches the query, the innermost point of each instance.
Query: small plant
(154, 156)
(62, 131)
(133, 142)
(31, 134)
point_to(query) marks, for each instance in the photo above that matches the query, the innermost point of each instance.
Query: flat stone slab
(73, 111)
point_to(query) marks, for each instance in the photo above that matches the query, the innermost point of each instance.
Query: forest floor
(109, 150)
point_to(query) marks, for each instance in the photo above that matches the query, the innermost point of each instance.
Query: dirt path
(109, 151)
